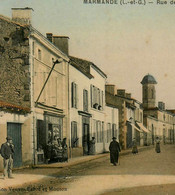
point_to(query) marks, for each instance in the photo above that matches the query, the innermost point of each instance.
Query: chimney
(22, 15)
(161, 105)
(111, 89)
(49, 36)
(121, 92)
(128, 95)
(62, 43)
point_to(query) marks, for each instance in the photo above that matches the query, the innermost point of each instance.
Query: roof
(85, 65)
(7, 105)
(81, 65)
(172, 111)
(148, 79)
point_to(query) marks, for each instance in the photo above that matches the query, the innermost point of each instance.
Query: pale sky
(126, 42)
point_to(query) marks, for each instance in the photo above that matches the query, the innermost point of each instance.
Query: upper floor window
(152, 93)
(39, 54)
(74, 98)
(96, 98)
(145, 93)
(85, 100)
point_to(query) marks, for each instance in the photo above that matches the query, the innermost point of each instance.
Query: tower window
(145, 91)
(152, 93)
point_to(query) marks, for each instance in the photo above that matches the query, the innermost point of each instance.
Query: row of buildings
(46, 92)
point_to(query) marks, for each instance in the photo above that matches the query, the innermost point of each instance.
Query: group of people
(114, 149)
(56, 150)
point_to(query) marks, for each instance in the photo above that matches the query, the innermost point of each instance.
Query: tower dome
(148, 79)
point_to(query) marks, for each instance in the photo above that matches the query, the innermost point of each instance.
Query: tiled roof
(84, 65)
(81, 65)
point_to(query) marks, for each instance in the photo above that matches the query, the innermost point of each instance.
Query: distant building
(130, 116)
(156, 118)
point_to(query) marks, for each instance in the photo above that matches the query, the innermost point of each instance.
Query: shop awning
(136, 127)
(143, 127)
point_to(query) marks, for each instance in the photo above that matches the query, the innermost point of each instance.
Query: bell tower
(148, 91)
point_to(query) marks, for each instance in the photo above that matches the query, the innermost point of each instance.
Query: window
(74, 95)
(98, 131)
(145, 91)
(152, 93)
(141, 117)
(96, 98)
(85, 100)
(74, 137)
(114, 130)
(39, 54)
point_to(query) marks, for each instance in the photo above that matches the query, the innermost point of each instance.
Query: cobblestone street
(145, 173)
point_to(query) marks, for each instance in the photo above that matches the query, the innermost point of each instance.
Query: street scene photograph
(87, 97)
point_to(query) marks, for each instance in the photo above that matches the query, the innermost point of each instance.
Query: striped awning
(135, 127)
(143, 127)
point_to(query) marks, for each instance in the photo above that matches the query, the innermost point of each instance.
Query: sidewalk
(20, 179)
(82, 159)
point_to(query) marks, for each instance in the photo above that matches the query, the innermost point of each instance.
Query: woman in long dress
(65, 152)
(157, 145)
(134, 146)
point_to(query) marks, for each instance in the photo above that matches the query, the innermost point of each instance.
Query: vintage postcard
(87, 102)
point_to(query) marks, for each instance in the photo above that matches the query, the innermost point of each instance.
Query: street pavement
(145, 169)
(144, 173)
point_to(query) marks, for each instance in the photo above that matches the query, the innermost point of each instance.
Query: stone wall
(14, 63)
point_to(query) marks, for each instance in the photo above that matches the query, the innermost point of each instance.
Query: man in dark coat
(7, 151)
(114, 149)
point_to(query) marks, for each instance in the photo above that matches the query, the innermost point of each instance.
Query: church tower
(148, 91)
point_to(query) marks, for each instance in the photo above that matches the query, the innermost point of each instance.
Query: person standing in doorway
(92, 146)
(7, 152)
(114, 149)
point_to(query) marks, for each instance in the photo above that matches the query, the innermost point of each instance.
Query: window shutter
(84, 101)
(76, 95)
(91, 96)
(102, 99)
(72, 94)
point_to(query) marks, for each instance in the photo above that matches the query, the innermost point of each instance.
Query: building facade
(130, 116)
(40, 86)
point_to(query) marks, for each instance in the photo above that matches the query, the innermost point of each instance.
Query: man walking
(114, 149)
(7, 151)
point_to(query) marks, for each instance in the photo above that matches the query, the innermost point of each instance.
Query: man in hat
(114, 149)
(7, 151)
